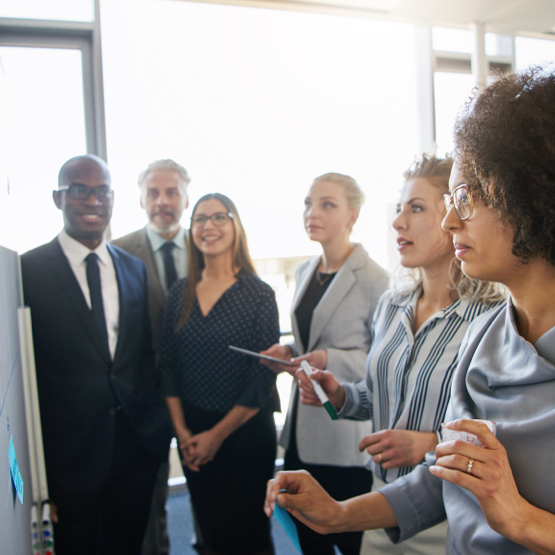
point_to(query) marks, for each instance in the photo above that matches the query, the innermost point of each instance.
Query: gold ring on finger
(380, 458)
(470, 463)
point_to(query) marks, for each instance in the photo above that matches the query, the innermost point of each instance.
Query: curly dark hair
(505, 148)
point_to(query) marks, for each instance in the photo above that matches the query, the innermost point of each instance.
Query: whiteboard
(15, 515)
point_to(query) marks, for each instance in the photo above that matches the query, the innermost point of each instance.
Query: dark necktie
(95, 290)
(169, 264)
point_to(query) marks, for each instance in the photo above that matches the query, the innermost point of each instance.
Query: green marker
(319, 391)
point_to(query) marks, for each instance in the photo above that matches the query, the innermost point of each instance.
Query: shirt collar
(543, 346)
(408, 299)
(76, 252)
(157, 241)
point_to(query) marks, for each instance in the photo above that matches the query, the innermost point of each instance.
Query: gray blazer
(341, 324)
(137, 244)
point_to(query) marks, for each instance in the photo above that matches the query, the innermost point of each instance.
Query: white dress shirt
(76, 253)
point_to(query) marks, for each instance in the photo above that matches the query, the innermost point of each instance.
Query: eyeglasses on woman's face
(461, 199)
(219, 219)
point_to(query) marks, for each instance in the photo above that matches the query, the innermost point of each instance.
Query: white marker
(319, 391)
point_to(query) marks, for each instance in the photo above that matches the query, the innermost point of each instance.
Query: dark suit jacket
(137, 244)
(80, 387)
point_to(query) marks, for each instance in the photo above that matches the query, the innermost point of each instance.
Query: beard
(164, 228)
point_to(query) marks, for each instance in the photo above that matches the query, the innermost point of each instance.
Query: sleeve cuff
(417, 501)
(357, 404)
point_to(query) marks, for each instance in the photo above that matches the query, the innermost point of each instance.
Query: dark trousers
(112, 519)
(341, 483)
(228, 493)
(156, 540)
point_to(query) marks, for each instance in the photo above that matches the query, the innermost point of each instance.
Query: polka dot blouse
(196, 363)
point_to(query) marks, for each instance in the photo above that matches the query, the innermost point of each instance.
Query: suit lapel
(144, 252)
(62, 269)
(338, 288)
(123, 289)
(304, 280)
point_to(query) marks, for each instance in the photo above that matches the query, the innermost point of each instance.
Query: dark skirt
(228, 493)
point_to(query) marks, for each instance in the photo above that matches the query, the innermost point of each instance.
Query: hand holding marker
(319, 391)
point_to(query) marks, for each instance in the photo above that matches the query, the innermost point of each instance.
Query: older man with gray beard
(162, 246)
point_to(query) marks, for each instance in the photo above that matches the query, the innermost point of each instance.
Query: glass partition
(46, 127)
(533, 51)
(64, 10)
(451, 90)
(448, 39)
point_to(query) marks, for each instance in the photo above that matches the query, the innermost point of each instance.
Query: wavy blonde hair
(437, 171)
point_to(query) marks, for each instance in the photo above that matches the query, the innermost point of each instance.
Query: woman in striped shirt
(417, 330)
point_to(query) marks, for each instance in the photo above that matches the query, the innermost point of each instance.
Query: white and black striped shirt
(408, 376)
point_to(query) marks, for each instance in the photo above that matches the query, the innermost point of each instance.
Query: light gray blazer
(342, 325)
(137, 244)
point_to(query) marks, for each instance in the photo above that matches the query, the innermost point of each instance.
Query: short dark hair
(505, 148)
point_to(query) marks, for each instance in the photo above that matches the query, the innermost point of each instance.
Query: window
(46, 126)
(255, 104)
(533, 51)
(64, 10)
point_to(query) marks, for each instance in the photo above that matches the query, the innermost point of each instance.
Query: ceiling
(509, 16)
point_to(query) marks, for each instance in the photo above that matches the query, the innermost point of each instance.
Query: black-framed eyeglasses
(218, 219)
(79, 191)
(461, 199)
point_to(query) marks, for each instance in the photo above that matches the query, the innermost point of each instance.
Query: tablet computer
(265, 357)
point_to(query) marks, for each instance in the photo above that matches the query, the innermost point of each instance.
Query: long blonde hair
(437, 171)
(241, 256)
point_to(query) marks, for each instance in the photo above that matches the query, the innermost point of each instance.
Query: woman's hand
(316, 359)
(332, 388)
(283, 352)
(304, 498)
(201, 448)
(398, 448)
(489, 477)
(307, 501)
(183, 435)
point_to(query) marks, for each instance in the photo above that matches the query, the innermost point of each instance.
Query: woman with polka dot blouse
(222, 402)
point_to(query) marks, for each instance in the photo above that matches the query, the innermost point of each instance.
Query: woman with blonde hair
(222, 402)
(494, 485)
(417, 331)
(335, 299)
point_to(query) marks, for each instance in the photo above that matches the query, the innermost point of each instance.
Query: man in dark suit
(162, 246)
(105, 429)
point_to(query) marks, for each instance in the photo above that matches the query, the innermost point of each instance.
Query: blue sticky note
(288, 525)
(14, 469)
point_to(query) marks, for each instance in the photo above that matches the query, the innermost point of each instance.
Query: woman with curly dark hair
(497, 490)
